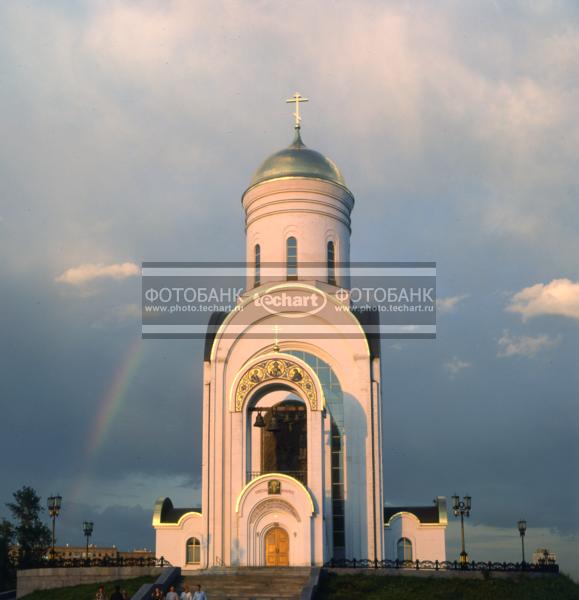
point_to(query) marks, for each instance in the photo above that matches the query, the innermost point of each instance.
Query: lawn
(87, 591)
(377, 587)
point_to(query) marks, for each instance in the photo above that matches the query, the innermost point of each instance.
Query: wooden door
(277, 548)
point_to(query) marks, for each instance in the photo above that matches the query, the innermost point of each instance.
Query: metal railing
(104, 561)
(301, 476)
(446, 565)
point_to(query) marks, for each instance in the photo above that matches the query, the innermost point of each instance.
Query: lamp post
(54, 504)
(522, 525)
(462, 508)
(87, 528)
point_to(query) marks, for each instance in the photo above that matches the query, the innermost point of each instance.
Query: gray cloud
(524, 345)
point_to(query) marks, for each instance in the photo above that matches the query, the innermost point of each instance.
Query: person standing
(116, 595)
(100, 595)
(171, 594)
(186, 594)
(158, 594)
(199, 594)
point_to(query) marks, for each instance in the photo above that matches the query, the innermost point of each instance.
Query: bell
(273, 422)
(259, 421)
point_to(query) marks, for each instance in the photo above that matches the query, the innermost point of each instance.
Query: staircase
(249, 583)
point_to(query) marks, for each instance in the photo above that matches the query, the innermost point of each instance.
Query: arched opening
(331, 260)
(277, 548)
(284, 440)
(404, 549)
(257, 280)
(193, 551)
(292, 258)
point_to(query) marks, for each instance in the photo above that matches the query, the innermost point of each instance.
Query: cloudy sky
(130, 129)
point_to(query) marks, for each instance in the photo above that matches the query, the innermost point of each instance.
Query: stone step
(234, 597)
(245, 572)
(246, 581)
(214, 596)
(249, 585)
(243, 583)
(234, 594)
(253, 590)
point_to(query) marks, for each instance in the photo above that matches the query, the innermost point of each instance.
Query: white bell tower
(292, 453)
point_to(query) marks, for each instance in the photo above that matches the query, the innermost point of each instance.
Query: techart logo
(291, 305)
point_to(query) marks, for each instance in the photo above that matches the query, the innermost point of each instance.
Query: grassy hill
(88, 591)
(378, 587)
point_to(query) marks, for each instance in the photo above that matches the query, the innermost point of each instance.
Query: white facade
(174, 530)
(416, 533)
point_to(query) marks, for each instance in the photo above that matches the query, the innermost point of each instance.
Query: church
(292, 396)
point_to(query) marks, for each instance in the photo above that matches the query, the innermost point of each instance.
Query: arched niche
(281, 369)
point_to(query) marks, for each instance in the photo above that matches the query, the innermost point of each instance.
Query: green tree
(32, 535)
(7, 570)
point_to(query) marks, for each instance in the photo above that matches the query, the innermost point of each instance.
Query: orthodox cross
(276, 344)
(297, 98)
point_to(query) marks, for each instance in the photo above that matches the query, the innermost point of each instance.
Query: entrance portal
(277, 548)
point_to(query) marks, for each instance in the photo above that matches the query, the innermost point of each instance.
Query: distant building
(143, 553)
(14, 553)
(543, 556)
(416, 532)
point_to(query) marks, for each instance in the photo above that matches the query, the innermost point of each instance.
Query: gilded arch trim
(277, 369)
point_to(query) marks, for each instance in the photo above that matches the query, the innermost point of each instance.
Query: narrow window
(193, 551)
(292, 258)
(404, 549)
(257, 265)
(331, 263)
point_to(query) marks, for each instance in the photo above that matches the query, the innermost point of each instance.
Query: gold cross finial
(276, 344)
(297, 98)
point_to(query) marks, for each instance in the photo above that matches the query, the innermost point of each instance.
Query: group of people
(118, 594)
(186, 594)
(157, 594)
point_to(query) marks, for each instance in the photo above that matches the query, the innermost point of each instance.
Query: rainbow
(108, 409)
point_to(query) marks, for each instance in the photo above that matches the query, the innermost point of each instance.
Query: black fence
(104, 561)
(446, 565)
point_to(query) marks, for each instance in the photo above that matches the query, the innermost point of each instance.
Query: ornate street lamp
(522, 525)
(87, 528)
(54, 504)
(462, 508)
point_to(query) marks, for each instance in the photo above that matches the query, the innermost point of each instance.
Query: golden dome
(298, 161)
